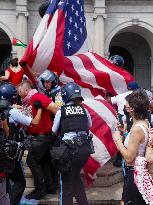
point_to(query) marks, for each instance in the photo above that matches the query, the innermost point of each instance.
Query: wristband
(125, 134)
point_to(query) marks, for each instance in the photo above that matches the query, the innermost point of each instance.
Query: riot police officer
(73, 121)
(15, 117)
(117, 60)
(8, 148)
(8, 94)
(48, 82)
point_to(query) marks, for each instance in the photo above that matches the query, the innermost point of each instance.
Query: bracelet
(125, 134)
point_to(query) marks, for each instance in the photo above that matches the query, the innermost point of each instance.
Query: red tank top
(15, 77)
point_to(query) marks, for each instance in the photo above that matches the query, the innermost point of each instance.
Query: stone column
(99, 26)
(21, 23)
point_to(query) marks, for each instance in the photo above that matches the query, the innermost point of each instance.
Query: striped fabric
(61, 32)
(104, 119)
(57, 45)
(95, 74)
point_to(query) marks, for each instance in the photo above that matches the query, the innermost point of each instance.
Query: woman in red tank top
(13, 74)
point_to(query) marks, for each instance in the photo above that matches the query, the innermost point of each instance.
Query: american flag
(62, 32)
(60, 44)
(95, 75)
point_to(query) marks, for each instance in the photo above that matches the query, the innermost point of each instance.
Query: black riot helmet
(8, 153)
(70, 92)
(48, 76)
(117, 60)
(43, 8)
(8, 94)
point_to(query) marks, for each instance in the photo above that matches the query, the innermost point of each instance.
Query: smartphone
(120, 119)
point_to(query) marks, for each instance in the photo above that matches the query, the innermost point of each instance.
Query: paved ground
(107, 188)
(94, 195)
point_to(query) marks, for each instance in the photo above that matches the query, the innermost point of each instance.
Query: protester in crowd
(42, 137)
(137, 105)
(73, 122)
(120, 101)
(151, 113)
(15, 117)
(4, 169)
(128, 123)
(14, 73)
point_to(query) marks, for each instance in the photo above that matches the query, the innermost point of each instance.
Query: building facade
(123, 27)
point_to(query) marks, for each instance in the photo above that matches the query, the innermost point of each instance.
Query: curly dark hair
(139, 101)
(14, 62)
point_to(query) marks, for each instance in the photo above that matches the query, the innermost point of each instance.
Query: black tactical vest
(6, 164)
(73, 119)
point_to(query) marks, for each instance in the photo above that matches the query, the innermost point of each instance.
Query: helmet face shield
(48, 80)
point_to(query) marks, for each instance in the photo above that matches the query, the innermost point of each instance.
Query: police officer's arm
(56, 123)
(16, 116)
(53, 108)
(89, 118)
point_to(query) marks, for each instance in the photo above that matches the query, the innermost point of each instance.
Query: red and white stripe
(46, 46)
(104, 119)
(96, 74)
(89, 70)
(93, 73)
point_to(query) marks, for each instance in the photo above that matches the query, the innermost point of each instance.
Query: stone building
(123, 27)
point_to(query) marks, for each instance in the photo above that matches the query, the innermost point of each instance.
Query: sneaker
(35, 195)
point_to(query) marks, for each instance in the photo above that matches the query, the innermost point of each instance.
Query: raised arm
(135, 139)
(53, 108)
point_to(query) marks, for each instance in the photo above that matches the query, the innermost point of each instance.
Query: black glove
(37, 105)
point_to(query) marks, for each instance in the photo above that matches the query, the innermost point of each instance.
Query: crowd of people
(52, 124)
(131, 134)
(37, 115)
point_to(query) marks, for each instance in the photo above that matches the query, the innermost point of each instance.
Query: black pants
(132, 196)
(38, 160)
(17, 176)
(71, 181)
